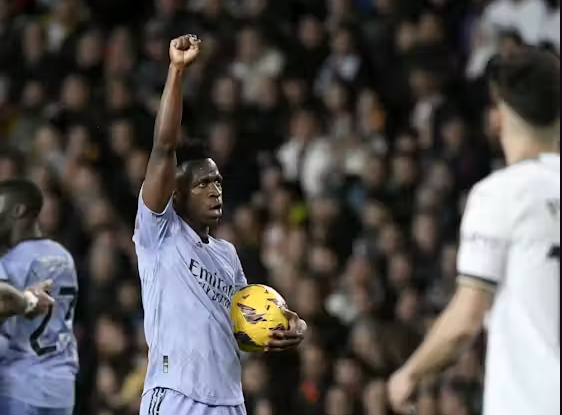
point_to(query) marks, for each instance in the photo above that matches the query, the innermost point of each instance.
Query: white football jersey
(510, 242)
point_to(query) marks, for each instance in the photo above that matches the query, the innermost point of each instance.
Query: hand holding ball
(259, 312)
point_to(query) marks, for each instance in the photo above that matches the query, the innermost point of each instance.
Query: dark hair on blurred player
(21, 202)
(527, 88)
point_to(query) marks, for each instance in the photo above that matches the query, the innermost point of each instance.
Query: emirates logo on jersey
(250, 314)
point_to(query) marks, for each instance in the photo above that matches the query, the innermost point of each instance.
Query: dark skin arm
(161, 170)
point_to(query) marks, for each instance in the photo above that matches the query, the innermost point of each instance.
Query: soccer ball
(257, 310)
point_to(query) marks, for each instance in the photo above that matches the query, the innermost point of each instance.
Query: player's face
(7, 218)
(203, 203)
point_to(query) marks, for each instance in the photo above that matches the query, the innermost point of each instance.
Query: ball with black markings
(257, 310)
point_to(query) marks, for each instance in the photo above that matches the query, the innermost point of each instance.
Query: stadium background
(349, 133)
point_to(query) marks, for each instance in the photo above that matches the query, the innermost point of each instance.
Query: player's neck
(521, 147)
(202, 231)
(24, 233)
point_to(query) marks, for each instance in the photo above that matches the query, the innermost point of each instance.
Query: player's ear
(19, 211)
(495, 119)
(177, 196)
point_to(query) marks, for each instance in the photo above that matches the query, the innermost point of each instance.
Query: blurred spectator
(348, 133)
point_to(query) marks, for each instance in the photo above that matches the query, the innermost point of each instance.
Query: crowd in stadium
(348, 133)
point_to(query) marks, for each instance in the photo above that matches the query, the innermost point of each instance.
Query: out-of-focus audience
(348, 132)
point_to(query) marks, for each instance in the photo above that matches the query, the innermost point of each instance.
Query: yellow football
(257, 310)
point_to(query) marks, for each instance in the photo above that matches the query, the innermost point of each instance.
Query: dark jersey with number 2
(41, 362)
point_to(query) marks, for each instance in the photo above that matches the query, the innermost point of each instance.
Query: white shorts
(161, 401)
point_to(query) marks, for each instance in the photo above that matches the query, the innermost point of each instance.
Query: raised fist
(184, 50)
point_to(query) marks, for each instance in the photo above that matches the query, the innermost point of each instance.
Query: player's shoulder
(36, 247)
(509, 181)
(50, 245)
(48, 249)
(33, 255)
(226, 249)
(495, 186)
(223, 245)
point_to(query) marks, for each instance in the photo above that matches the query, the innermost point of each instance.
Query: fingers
(302, 327)
(194, 40)
(48, 299)
(282, 340)
(45, 299)
(291, 316)
(285, 335)
(41, 290)
(185, 42)
(281, 345)
(287, 339)
(45, 285)
(295, 323)
(41, 287)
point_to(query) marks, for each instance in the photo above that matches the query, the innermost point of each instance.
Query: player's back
(41, 362)
(523, 365)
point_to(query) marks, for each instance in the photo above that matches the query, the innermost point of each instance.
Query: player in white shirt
(509, 257)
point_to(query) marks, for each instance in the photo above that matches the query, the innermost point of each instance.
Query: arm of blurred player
(161, 170)
(484, 246)
(453, 332)
(32, 302)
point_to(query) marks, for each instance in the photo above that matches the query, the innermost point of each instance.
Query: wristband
(31, 302)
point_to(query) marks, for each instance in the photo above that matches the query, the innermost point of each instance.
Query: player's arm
(453, 332)
(33, 301)
(484, 245)
(280, 339)
(12, 301)
(161, 170)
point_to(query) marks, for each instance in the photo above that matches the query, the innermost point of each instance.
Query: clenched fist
(184, 50)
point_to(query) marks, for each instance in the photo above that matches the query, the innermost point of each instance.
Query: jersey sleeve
(485, 236)
(151, 228)
(240, 280)
(3, 274)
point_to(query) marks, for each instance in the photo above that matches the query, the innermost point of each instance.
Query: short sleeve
(240, 278)
(4, 344)
(3, 274)
(485, 236)
(152, 229)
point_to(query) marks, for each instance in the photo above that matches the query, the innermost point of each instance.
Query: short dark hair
(25, 192)
(529, 83)
(190, 152)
